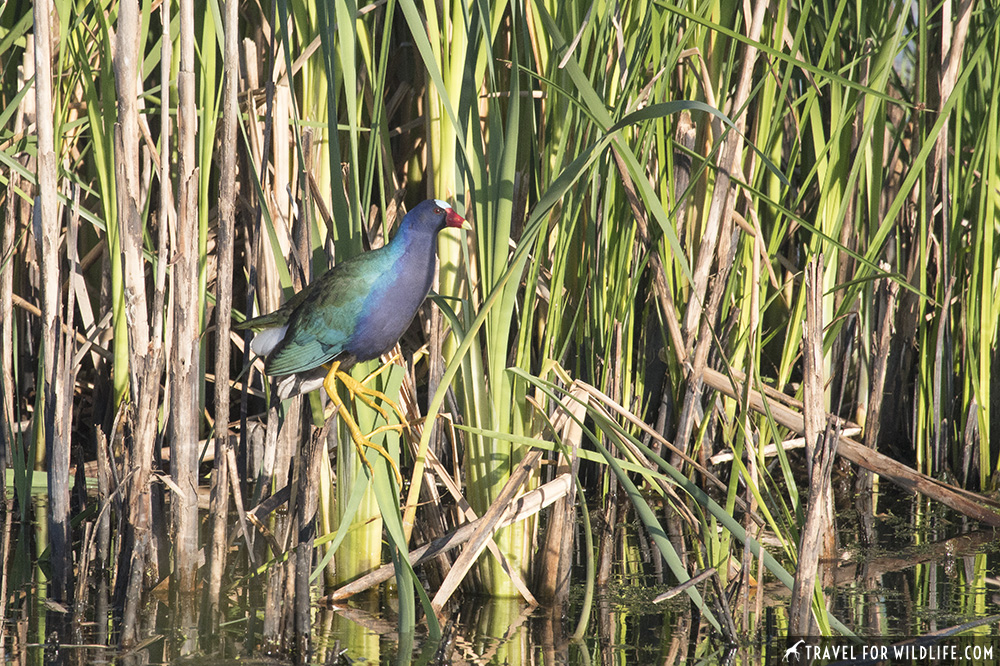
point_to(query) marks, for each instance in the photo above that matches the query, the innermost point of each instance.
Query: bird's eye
(438, 211)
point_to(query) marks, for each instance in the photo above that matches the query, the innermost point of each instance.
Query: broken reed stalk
(786, 414)
(484, 532)
(82, 339)
(305, 464)
(881, 349)
(520, 508)
(66, 370)
(307, 501)
(701, 312)
(434, 466)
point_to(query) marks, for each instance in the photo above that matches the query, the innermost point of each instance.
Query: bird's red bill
(455, 220)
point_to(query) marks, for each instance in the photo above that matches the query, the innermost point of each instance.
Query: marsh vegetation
(727, 258)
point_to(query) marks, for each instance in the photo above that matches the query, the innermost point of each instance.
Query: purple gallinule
(357, 311)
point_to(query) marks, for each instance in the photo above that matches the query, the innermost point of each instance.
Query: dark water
(926, 571)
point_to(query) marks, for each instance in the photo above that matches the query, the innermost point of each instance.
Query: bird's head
(434, 215)
(451, 218)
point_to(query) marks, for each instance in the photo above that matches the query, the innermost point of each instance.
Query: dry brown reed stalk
(225, 244)
(723, 196)
(66, 371)
(522, 507)
(137, 557)
(183, 374)
(554, 560)
(788, 413)
(435, 467)
(820, 447)
(47, 214)
(484, 533)
(888, 293)
(9, 213)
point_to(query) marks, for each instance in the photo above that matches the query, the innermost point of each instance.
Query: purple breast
(390, 308)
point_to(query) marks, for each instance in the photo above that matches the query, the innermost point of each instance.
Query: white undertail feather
(291, 385)
(264, 342)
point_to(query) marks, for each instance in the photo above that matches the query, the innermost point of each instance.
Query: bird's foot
(362, 441)
(369, 395)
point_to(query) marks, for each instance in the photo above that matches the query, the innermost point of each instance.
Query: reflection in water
(912, 582)
(507, 631)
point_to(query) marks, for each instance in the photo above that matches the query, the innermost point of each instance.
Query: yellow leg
(359, 390)
(369, 395)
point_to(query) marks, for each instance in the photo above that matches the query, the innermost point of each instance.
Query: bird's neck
(411, 239)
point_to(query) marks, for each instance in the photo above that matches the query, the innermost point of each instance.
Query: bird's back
(322, 323)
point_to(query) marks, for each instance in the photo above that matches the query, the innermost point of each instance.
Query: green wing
(322, 317)
(272, 319)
